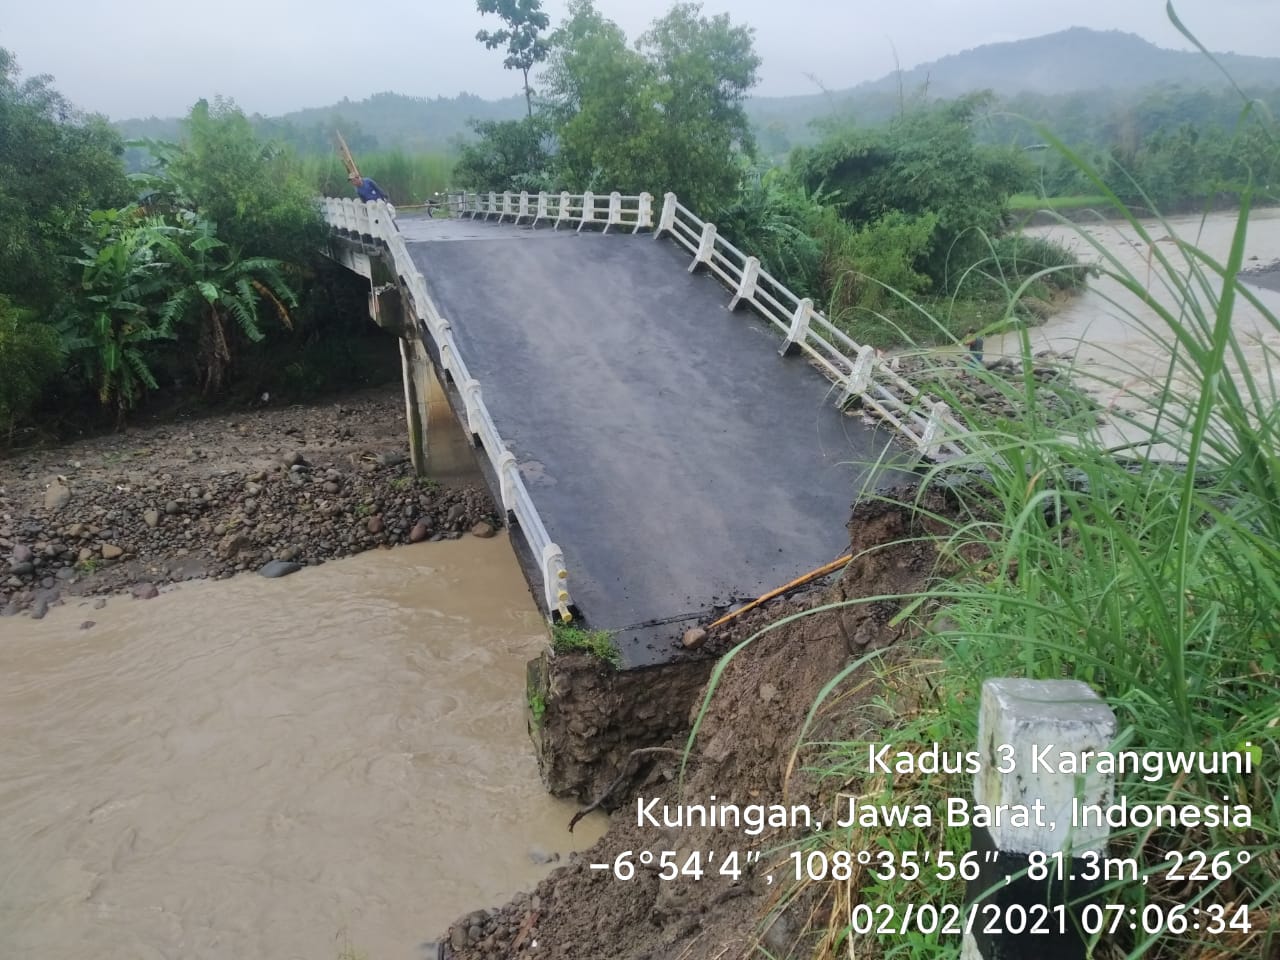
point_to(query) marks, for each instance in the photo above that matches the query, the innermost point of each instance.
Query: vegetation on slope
(180, 280)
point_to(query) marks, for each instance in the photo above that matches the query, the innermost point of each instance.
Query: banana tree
(216, 292)
(108, 323)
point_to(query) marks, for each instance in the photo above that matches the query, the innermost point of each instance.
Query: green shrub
(31, 355)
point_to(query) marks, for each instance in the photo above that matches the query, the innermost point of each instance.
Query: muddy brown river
(331, 762)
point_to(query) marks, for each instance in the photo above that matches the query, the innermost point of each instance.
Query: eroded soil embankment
(217, 496)
(742, 755)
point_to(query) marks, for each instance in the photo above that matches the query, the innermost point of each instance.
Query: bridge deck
(678, 461)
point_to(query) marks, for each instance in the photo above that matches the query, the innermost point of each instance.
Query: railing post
(555, 581)
(588, 210)
(615, 210)
(706, 246)
(859, 378)
(543, 210)
(747, 286)
(667, 219)
(1015, 718)
(471, 396)
(644, 213)
(563, 211)
(493, 205)
(931, 438)
(508, 470)
(506, 206)
(799, 325)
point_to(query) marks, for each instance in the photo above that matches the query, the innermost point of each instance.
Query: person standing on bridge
(368, 189)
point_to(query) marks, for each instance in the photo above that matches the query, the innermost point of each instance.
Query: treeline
(1171, 148)
(116, 286)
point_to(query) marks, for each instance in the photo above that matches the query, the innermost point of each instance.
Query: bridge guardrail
(375, 222)
(857, 369)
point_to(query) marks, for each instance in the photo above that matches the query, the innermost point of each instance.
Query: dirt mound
(742, 756)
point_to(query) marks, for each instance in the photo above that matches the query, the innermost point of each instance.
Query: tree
(248, 186)
(507, 155)
(667, 115)
(208, 284)
(704, 68)
(30, 356)
(923, 163)
(112, 317)
(56, 165)
(526, 46)
(602, 102)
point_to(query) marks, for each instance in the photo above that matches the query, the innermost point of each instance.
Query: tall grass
(1139, 553)
(407, 178)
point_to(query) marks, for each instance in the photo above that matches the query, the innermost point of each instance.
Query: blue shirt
(369, 191)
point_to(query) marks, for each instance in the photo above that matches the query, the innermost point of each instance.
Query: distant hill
(1075, 60)
(383, 120)
(1102, 70)
(1060, 66)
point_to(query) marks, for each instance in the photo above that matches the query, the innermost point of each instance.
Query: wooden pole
(347, 160)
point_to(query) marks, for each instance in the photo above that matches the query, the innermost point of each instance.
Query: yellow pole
(798, 582)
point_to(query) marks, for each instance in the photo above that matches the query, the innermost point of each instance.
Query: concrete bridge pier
(437, 442)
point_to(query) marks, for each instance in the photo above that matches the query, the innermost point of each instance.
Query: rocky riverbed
(267, 490)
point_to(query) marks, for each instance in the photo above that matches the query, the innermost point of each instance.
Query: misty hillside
(1074, 60)
(1059, 67)
(1097, 70)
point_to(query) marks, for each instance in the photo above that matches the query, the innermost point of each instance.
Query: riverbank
(270, 489)
(744, 753)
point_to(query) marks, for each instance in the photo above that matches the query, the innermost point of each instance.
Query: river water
(1121, 345)
(274, 769)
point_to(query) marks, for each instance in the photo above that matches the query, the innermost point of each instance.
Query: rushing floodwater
(272, 768)
(1111, 332)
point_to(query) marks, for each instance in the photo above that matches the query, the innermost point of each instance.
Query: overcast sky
(130, 58)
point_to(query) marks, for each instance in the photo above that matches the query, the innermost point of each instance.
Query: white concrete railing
(857, 369)
(584, 209)
(375, 221)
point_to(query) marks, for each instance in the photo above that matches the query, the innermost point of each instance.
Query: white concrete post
(644, 213)
(860, 376)
(508, 471)
(615, 210)
(667, 219)
(931, 439)
(523, 210)
(471, 396)
(706, 246)
(1015, 717)
(588, 210)
(747, 285)
(563, 211)
(799, 326)
(543, 211)
(493, 205)
(506, 206)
